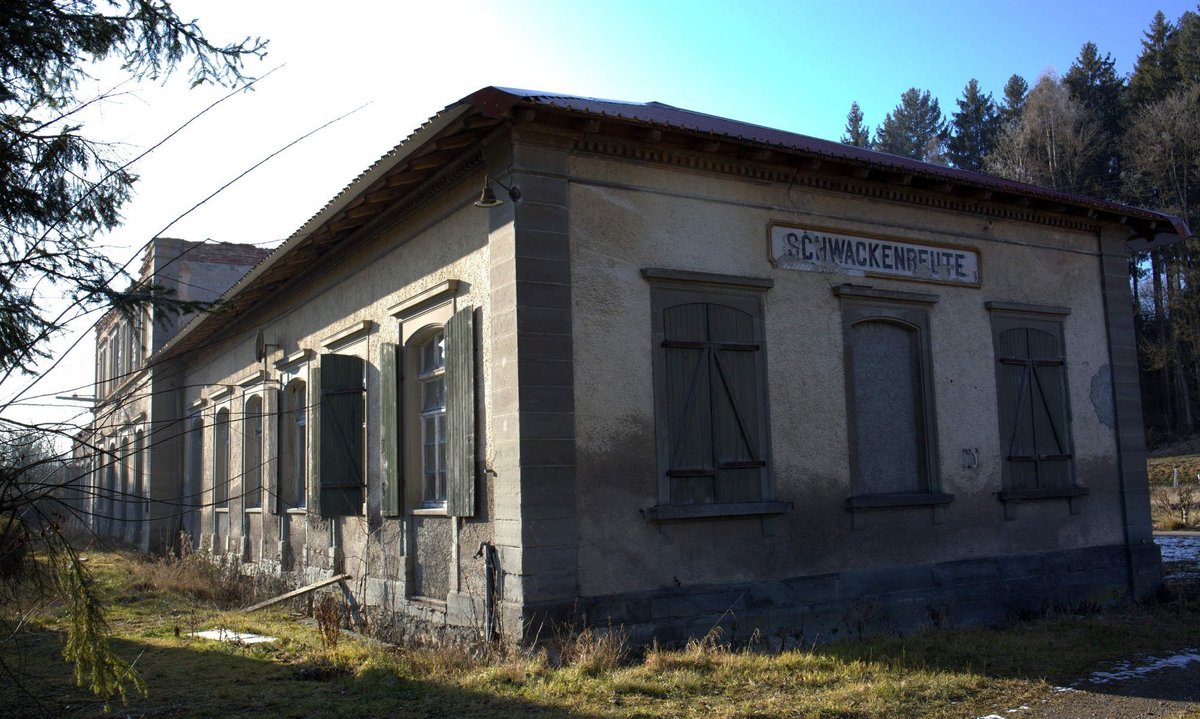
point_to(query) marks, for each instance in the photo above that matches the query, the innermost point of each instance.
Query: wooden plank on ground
(298, 592)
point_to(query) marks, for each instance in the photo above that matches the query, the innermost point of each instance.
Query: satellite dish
(260, 346)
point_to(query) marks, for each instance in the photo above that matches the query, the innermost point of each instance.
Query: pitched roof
(439, 153)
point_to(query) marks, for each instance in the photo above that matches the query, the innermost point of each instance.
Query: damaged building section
(670, 371)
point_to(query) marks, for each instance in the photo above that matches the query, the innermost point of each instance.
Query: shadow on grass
(200, 678)
(1063, 648)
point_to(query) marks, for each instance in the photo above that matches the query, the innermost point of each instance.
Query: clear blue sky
(793, 65)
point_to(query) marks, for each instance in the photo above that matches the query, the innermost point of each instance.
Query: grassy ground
(155, 606)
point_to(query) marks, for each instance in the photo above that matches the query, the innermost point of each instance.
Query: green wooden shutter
(736, 436)
(691, 475)
(340, 435)
(711, 363)
(389, 431)
(1033, 410)
(460, 414)
(273, 405)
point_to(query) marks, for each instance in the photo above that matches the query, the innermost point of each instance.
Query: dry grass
(592, 673)
(195, 575)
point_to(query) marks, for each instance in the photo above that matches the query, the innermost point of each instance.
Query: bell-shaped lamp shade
(488, 198)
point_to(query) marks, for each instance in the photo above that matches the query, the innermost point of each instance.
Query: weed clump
(331, 614)
(197, 575)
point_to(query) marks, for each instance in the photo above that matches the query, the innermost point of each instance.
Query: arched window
(108, 490)
(220, 486)
(252, 454)
(193, 477)
(890, 399)
(293, 436)
(138, 502)
(427, 421)
(124, 484)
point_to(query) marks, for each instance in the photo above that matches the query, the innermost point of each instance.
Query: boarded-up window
(889, 397)
(889, 416)
(1035, 431)
(342, 443)
(710, 394)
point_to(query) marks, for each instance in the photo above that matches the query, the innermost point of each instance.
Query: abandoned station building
(671, 369)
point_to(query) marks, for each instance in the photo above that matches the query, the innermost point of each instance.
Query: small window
(1033, 402)
(710, 381)
(889, 398)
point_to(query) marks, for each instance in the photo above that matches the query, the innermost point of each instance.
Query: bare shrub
(1179, 505)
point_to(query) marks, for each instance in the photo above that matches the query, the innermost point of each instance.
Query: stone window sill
(893, 500)
(221, 510)
(683, 512)
(1025, 495)
(253, 510)
(431, 511)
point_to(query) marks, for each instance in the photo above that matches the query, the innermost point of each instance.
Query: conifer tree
(1015, 91)
(915, 128)
(1185, 50)
(972, 129)
(59, 187)
(857, 133)
(1094, 84)
(1154, 74)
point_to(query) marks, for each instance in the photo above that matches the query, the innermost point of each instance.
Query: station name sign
(818, 250)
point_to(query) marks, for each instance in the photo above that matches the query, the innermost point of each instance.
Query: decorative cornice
(902, 193)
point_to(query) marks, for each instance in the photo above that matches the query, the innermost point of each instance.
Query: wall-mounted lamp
(488, 198)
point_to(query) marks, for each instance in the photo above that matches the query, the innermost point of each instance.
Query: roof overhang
(418, 168)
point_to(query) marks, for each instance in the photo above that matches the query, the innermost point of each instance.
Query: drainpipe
(487, 551)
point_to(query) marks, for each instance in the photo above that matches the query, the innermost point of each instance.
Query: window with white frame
(433, 427)
(431, 379)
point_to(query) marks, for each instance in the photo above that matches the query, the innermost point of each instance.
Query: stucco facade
(611, 399)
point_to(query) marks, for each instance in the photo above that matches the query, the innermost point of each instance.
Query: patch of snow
(226, 635)
(1021, 708)
(1180, 555)
(1060, 690)
(1179, 549)
(1126, 670)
